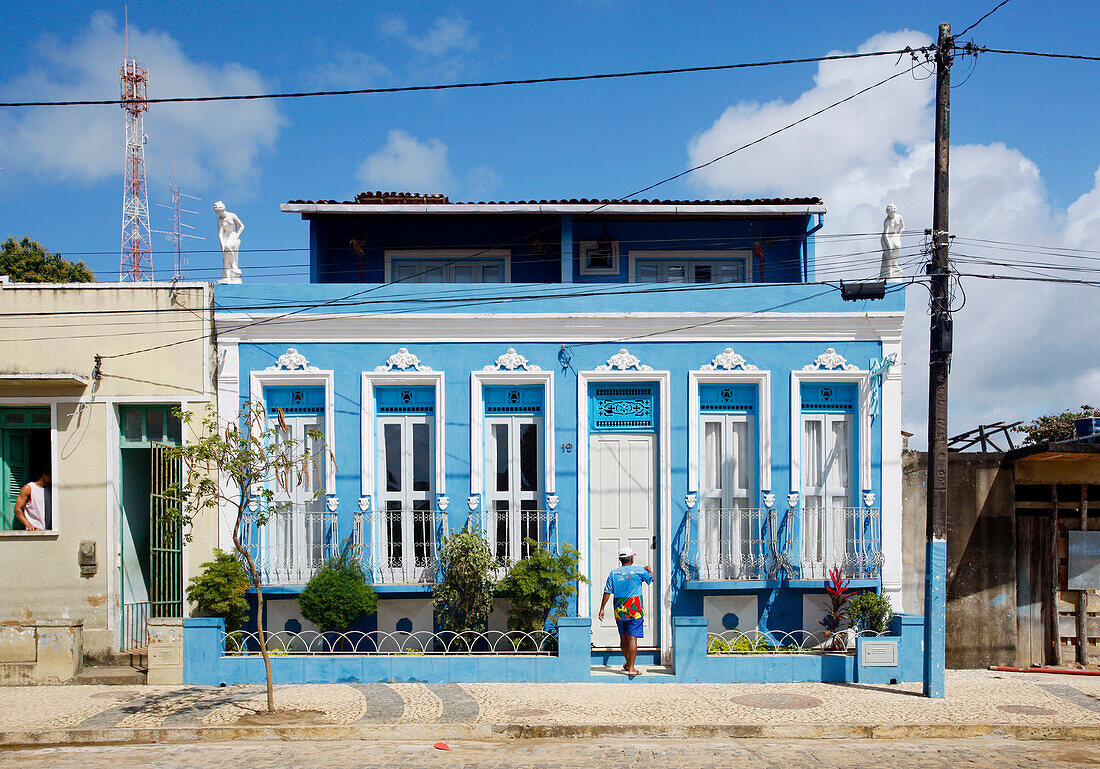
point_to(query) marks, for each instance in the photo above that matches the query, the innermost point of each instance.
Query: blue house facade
(666, 375)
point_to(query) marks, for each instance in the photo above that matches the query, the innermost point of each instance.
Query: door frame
(615, 375)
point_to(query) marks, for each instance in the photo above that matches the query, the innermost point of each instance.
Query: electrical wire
(982, 49)
(453, 86)
(996, 8)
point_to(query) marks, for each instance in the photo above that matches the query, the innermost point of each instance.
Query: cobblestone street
(610, 753)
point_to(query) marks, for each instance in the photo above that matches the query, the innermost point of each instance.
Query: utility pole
(939, 365)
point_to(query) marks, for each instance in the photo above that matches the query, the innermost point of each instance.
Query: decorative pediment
(728, 360)
(402, 360)
(830, 360)
(291, 360)
(624, 361)
(511, 361)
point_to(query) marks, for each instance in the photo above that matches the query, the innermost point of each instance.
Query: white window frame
(861, 377)
(762, 381)
(258, 380)
(56, 471)
(514, 496)
(478, 380)
(408, 496)
(585, 245)
(369, 430)
(447, 255)
(711, 255)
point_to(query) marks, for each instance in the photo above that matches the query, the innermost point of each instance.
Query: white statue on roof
(892, 227)
(230, 228)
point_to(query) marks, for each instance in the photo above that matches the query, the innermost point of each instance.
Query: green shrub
(219, 591)
(870, 611)
(539, 586)
(463, 599)
(338, 594)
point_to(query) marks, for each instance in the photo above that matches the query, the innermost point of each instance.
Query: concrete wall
(981, 556)
(58, 330)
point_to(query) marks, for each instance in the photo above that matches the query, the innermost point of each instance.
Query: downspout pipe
(806, 247)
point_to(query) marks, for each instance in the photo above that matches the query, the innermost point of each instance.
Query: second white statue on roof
(230, 228)
(892, 227)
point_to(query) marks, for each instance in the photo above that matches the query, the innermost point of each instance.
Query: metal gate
(165, 536)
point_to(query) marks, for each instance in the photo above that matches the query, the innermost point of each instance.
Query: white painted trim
(891, 499)
(258, 380)
(368, 428)
(693, 256)
(479, 379)
(446, 255)
(862, 380)
(615, 263)
(100, 285)
(365, 209)
(762, 380)
(584, 530)
(229, 406)
(411, 328)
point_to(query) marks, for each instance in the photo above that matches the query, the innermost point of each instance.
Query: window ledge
(51, 534)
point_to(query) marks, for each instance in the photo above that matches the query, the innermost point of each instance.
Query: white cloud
(448, 35)
(350, 69)
(406, 163)
(1016, 352)
(207, 145)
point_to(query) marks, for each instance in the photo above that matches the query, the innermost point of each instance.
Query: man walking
(625, 583)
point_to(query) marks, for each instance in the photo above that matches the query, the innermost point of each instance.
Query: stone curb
(487, 731)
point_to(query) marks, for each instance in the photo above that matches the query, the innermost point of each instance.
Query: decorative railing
(135, 623)
(846, 537)
(291, 545)
(735, 543)
(507, 532)
(468, 643)
(399, 547)
(733, 642)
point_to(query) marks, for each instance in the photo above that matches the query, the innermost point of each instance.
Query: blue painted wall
(535, 242)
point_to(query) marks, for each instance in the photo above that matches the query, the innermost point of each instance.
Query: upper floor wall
(426, 239)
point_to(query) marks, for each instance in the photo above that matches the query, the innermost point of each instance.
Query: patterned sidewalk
(974, 698)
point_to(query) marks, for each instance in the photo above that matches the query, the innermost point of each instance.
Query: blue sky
(1027, 161)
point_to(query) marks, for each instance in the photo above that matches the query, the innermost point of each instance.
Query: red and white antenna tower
(136, 263)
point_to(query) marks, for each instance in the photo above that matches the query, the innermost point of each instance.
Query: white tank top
(35, 509)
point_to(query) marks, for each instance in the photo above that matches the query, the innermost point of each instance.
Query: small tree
(338, 594)
(220, 590)
(28, 261)
(1055, 427)
(255, 464)
(539, 586)
(463, 600)
(871, 612)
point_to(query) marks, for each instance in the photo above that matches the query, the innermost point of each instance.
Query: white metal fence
(849, 538)
(292, 545)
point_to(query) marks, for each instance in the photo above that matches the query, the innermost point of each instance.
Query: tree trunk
(255, 577)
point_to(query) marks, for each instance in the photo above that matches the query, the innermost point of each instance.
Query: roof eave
(800, 209)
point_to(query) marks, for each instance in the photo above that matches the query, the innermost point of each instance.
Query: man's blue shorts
(630, 627)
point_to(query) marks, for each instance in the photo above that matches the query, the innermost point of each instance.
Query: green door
(165, 537)
(16, 447)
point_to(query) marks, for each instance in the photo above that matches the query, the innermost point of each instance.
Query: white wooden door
(827, 489)
(295, 536)
(406, 532)
(513, 491)
(623, 504)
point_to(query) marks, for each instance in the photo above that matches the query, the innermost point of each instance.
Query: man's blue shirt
(625, 583)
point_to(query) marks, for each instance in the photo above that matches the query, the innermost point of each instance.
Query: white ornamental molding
(691, 499)
(332, 503)
(830, 360)
(552, 501)
(511, 361)
(728, 360)
(292, 360)
(769, 499)
(624, 361)
(442, 501)
(364, 504)
(402, 360)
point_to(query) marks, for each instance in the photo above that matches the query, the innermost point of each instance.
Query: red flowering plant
(837, 613)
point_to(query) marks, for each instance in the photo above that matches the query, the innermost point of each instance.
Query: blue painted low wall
(204, 662)
(692, 664)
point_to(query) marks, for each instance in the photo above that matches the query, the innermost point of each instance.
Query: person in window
(31, 507)
(625, 583)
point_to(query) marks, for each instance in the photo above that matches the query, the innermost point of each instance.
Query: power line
(996, 8)
(483, 84)
(968, 48)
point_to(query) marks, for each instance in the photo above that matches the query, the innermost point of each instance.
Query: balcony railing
(507, 532)
(734, 543)
(291, 545)
(399, 547)
(846, 537)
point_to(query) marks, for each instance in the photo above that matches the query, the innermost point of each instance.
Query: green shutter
(16, 449)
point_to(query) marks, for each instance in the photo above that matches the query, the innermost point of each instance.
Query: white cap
(626, 552)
